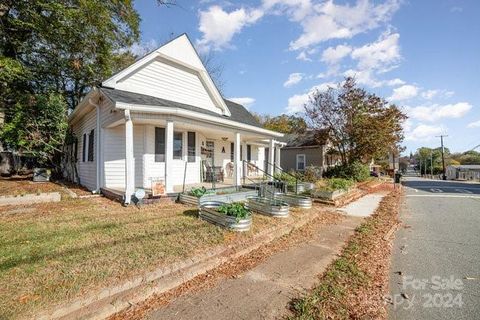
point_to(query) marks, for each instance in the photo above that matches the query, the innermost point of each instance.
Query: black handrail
(288, 173)
(275, 179)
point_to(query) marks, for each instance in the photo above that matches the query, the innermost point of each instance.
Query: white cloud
(436, 112)
(219, 27)
(394, 82)
(327, 20)
(245, 101)
(297, 102)
(423, 132)
(404, 92)
(429, 94)
(381, 55)
(475, 124)
(303, 56)
(333, 55)
(293, 79)
(363, 77)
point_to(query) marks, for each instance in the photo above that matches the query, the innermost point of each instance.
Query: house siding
(314, 157)
(114, 156)
(87, 170)
(162, 80)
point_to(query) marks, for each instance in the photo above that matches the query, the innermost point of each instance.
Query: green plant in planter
(235, 209)
(285, 177)
(334, 184)
(198, 192)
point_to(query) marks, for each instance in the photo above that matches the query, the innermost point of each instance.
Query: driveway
(435, 270)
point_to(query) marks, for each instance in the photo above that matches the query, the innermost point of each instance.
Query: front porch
(148, 150)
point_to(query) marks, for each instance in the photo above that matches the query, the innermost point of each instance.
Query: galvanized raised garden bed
(230, 197)
(295, 200)
(269, 207)
(301, 187)
(208, 212)
(329, 195)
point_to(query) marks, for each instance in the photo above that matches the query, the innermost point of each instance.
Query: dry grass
(53, 253)
(354, 285)
(21, 186)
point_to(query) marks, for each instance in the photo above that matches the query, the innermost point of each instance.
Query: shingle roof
(238, 112)
(307, 139)
(467, 166)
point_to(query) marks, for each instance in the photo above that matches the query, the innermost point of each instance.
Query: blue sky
(421, 55)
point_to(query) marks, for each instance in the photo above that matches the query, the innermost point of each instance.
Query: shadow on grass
(166, 231)
(191, 213)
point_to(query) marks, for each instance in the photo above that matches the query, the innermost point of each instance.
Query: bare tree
(214, 69)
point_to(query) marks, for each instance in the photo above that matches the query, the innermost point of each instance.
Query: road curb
(109, 301)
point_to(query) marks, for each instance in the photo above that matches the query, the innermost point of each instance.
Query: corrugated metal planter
(227, 198)
(295, 200)
(302, 187)
(329, 195)
(208, 212)
(269, 207)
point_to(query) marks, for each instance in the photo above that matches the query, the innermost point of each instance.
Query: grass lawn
(52, 253)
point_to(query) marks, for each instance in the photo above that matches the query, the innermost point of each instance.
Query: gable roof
(309, 138)
(238, 112)
(179, 51)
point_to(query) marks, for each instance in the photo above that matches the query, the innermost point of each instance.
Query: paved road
(438, 252)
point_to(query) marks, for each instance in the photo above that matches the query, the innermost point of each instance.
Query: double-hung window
(159, 144)
(191, 146)
(301, 160)
(91, 139)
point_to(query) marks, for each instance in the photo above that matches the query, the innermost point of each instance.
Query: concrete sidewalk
(265, 291)
(364, 206)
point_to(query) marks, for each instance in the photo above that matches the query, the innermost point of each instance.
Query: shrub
(334, 184)
(312, 174)
(356, 171)
(235, 209)
(288, 178)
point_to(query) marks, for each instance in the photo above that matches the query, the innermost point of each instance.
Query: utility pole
(431, 164)
(444, 177)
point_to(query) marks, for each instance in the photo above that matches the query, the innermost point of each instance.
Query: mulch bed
(354, 286)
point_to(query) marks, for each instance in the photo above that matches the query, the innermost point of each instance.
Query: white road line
(436, 190)
(464, 191)
(441, 196)
(445, 187)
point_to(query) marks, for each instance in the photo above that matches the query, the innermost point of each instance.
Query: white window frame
(304, 161)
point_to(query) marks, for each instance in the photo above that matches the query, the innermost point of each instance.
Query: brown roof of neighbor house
(309, 138)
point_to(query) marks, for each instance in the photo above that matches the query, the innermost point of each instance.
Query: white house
(163, 119)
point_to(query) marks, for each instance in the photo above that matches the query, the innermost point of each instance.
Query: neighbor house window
(91, 138)
(84, 147)
(159, 144)
(191, 146)
(232, 151)
(249, 152)
(177, 145)
(301, 162)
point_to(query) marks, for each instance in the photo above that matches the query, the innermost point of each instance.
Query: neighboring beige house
(163, 119)
(305, 149)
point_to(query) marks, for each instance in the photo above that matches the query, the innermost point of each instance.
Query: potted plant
(234, 216)
(269, 207)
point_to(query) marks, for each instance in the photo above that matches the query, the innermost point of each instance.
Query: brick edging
(108, 301)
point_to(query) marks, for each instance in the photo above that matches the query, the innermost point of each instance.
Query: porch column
(169, 156)
(236, 161)
(129, 160)
(277, 158)
(271, 153)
